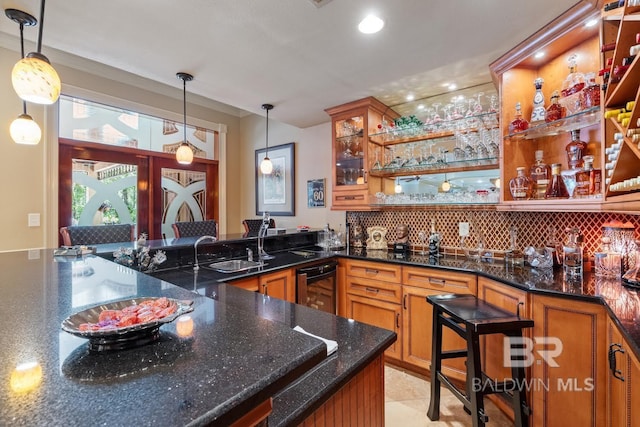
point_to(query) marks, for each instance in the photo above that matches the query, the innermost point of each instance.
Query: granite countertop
(622, 303)
(242, 349)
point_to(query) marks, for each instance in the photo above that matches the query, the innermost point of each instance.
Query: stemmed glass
(412, 162)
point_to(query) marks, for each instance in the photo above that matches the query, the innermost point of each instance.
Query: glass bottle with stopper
(540, 174)
(555, 111)
(538, 114)
(514, 256)
(572, 253)
(575, 150)
(434, 242)
(518, 124)
(574, 82)
(556, 188)
(520, 185)
(608, 263)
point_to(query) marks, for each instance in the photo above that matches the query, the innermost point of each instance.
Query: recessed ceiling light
(445, 84)
(371, 24)
(539, 55)
(410, 97)
(591, 22)
(420, 106)
(452, 86)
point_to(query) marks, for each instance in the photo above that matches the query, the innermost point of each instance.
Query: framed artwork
(275, 193)
(315, 193)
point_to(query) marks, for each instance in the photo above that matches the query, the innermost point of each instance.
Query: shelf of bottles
(349, 151)
(579, 120)
(460, 143)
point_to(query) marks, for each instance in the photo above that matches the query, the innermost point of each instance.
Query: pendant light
(184, 153)
(266, 167)
(23, 130)
(33, 77)
(446, 185)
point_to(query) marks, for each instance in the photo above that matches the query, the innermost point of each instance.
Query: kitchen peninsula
(241, 352)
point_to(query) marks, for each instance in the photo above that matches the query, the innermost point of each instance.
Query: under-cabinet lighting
(410, 97)
(452, 86)
(591, 22)
(538, 55)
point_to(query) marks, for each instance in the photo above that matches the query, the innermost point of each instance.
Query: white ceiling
(290, 53)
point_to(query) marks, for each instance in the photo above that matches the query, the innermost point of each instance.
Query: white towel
(332, 346)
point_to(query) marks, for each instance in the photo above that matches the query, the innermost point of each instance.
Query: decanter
(520, 185)
(538, 113)
(556, 188)
(608, 263)
(572, 253)
(575, 150)
(540, 174)
(518, 124)
(514, 256)
(555, 111)
(591, 93)
(574, 82)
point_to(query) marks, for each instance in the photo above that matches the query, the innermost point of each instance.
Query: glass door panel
(349, 151)
(103, 193)
(184, 197)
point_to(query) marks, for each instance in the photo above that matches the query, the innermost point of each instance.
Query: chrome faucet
(196, 267)
(262, 255)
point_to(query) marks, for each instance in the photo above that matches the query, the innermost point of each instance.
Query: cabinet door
(280, 284)
(633, 390)
(571, 391)
(491, 346)
(417, 334)
(378, 313)
(250, 284)
(617, 408)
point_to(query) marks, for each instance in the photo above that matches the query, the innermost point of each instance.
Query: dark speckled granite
(241, 352)
(622, 303)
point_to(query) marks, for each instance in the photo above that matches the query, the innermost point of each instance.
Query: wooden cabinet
(569, 386)
(515, 73)
(373, 296)
(620, 26)
(280, 284)
(623, 381)
(351, 124)
(418, 283)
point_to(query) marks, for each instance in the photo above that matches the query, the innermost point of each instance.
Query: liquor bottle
(574, 82)
(540, 174)
(588, 180)
(518, 124)
(514, 256)
(575, 150)
(555, 111)
(520, 185)
(572, 253)
(553, 246)
(434, 242)
(591, 94)
(556, 188)
(538, 113)
(608, 263)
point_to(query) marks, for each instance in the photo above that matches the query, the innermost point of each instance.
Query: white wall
(312, 161)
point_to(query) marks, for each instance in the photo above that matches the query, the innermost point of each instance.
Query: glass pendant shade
(35, 80)
(446, 186)
(266, 167)
(184, 154)
(24, 130)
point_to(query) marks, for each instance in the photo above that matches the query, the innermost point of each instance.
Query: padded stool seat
(471, 318)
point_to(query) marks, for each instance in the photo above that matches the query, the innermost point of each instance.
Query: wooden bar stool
(470, 318)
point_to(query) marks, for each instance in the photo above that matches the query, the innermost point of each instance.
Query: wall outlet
(33, 220)
(463, 229)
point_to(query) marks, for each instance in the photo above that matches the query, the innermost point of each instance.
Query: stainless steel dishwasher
(316, 286)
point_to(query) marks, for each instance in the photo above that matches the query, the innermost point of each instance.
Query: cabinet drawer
(380, 291)
(375, 271)
(445, 281)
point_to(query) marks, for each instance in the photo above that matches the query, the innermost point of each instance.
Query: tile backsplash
(532, 226)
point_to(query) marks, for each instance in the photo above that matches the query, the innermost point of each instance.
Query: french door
(148, 189)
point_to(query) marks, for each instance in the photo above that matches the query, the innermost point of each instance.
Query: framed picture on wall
(275, 193)
(315, 193)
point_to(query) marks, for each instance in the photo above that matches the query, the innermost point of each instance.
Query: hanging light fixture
(23, 130)
(33, 77)
(266, 167)
(446, 185)
(184, 153)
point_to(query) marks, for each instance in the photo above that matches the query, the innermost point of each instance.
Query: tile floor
(407, 401)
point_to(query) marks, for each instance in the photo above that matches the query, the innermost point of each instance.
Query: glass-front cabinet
(352, 123)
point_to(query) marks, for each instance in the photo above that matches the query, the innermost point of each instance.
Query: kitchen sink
(234, 265)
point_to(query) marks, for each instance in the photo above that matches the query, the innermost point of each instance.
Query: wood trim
(360, 402)
(256, 415)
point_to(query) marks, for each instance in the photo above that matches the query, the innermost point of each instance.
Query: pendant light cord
(24, 103)
(267, 149)
(39, 45)
(184, 109)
